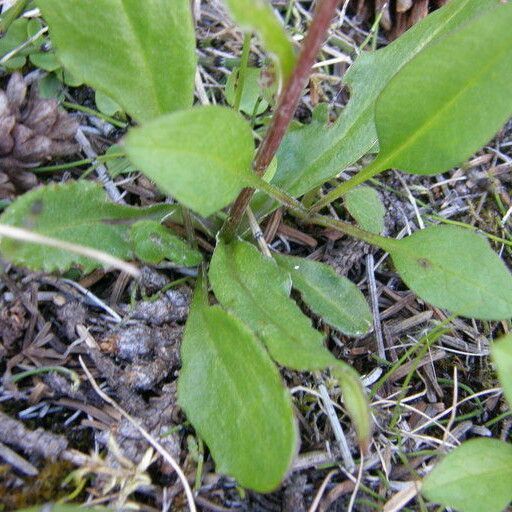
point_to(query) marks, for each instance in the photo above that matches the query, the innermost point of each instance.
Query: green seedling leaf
(335, 299)
(476, 476)
(233, 395)
(257, 291)
(455, 269)
(317, 152)
(365, 206)
(201, 156)
(106, 105)
(251, 101)
(502, 355)
(15, 36)
(258, 16)
(77, 212)
(142, 56)
(450, 99)
(154, 243)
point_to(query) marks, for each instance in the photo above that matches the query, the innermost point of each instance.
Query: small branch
(286, 108)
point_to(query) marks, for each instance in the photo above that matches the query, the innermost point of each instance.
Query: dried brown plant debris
(32, 130)
(397, 15)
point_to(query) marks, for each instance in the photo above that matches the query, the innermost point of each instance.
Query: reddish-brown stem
(286, 107)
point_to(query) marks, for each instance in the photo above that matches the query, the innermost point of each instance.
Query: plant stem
(286, 107)
(368, 172)
(242, 71)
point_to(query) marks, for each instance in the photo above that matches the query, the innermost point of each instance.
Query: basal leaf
(450, 99)
(232, 393)
(365, 206)
(455, 269)
(78, 212)
(258, 16)
(315, 153)
(476, 476)
(502, 355)
(142, 55)
(257, 291)
(201, 156)
(153, 243)
(335, 299)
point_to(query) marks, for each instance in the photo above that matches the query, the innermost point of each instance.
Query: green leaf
(143, 58)
(77, 212)
(258, 16)
(502, 356)
(233, 395)
(15, 36)
(476, 476)
(105, 104)
(335, 299)
(257, 291)
(456, 269)
(450, 99)
(201, 156)
(315, 153)
(251, 93)
(365, 206)
(153, 243)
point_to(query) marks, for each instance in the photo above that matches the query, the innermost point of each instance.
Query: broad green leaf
(142, 55)
(233, 395)
(335, 299)
(258, 16)
(450, 99)
(257, 291)
(475, 477)
(315, 153)
(78, 212)
(201, 156)
(251, 101)
(502, 355)
(456, 269)
(365, 206)
(15, 36)
(153, 243)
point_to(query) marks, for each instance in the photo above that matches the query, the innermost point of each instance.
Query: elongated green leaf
(252, 286)
(364, 204)
(313, 154)
(153, 243)
(454, 268)
(257, 291)
(476, 476)
(201, 156)
(450, 99)
(141, 54)
(232, 393)
(335, 299)
(77, 212)
(258, 16)
(502, 355)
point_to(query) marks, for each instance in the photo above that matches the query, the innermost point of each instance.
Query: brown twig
(286, 108)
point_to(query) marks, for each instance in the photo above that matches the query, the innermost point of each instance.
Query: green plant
(477, 475)
(428, 101)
